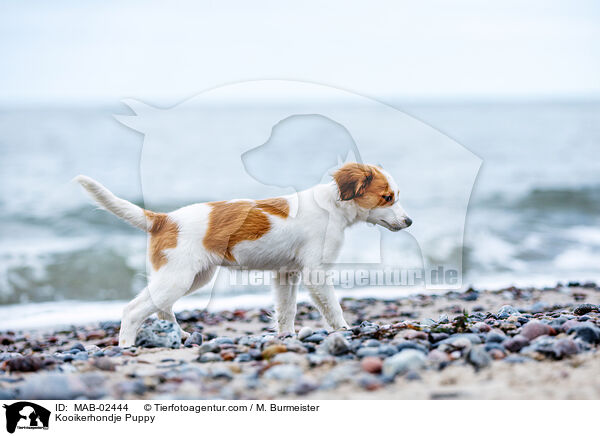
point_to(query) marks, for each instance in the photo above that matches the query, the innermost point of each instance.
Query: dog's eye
(387, 198)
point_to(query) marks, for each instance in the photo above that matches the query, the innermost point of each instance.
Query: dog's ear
(353, 179)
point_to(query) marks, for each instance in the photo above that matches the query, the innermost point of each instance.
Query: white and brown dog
(187, 245)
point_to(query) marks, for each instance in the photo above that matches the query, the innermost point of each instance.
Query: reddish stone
(227, 355)
(534, 328)
(95, 334)
(497, 354)
(371, 364)
(482, 327)
(515, 343)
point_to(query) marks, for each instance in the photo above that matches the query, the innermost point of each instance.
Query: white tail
(125, 210)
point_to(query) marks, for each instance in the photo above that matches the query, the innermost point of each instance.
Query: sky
(165, 52)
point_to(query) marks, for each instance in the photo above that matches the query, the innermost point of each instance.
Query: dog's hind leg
(136, 311)
(158, 296)
(201, 278)
(286, 288)
(170, 316)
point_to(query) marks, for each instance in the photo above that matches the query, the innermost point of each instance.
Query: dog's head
(375, 192)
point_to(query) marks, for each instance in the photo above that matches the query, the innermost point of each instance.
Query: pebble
(159, 333)
(586, 331)
(315, 338)
(568, 325)
(506, 311)
(582, 309)
(565, 347)
(52, 387)
(336, 344)
(272, 350)
(78, 346)
(495, 336)
(413, 334)
(478, 357)
(194, 339)
(367, 351)
(481, 327)
(369, 382)
(471, 337)
(283, 372)
(438, 356)
(304, 333)
(291, 358)
(515, 343)
(371, 343)
(371, 364)
(104, 363)
(210, 357)
(497, 354)
(535, 328)
(25, 364)
(303, 387)
(209, 347)
(243, 357)
(403, 362)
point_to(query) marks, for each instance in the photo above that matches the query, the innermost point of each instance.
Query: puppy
(187, 245)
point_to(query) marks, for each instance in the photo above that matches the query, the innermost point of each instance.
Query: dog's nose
(407, 221)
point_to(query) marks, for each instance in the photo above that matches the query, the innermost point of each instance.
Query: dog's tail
(125, 210)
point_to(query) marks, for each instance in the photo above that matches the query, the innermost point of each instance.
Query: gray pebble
(52, 387)
(336, 344)
(194, 339)
(159, 333)
(209, 347)
(315, 338)
(210, 357)
(588, 332)
(495, 336)
(283, 372)
(478, 357)
(367, 351)
(406, 360)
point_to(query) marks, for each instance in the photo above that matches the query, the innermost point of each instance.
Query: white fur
(307, 241)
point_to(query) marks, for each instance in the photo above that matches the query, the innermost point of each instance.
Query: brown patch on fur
(275, 206)
(232, 222)
(364, 184)
(163, 235)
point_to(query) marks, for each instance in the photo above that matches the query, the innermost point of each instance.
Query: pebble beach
(513, 343)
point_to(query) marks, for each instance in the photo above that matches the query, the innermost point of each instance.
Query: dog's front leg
(286, 288)
(323, 295)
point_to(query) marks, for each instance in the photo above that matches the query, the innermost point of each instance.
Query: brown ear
(353, 179)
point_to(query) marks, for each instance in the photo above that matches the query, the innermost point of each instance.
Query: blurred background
(516, 84)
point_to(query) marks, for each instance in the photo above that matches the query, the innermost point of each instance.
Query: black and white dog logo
(26, 415)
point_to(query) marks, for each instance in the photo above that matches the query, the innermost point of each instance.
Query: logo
(26, 415)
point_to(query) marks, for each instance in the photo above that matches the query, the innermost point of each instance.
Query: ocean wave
(580, 200)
